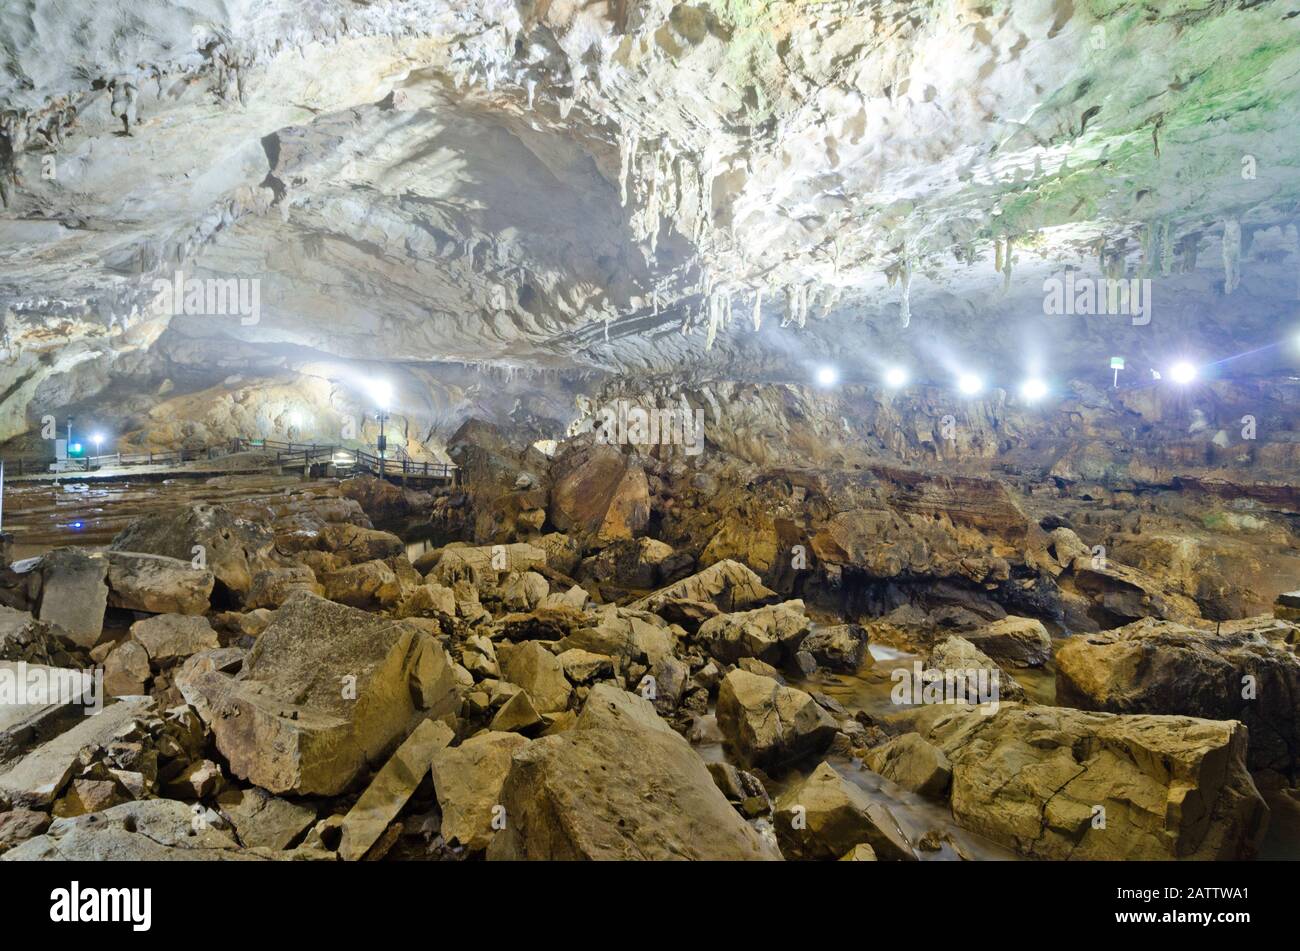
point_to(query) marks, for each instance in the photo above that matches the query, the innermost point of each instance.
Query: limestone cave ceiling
(738, 186)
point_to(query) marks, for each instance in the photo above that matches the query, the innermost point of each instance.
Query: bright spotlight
(895, 377)
(295, 419)
(969, 384)
(381, 392)
(827, 376)
(1182, 373)
(1033, 390)
(97, 438)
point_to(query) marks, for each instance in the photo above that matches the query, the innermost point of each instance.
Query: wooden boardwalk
(259, 455)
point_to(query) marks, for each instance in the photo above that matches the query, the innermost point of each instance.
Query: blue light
(76, 525)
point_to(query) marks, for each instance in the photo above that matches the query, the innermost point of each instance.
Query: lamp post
(381, 391)
(382, 416)
(98, 440)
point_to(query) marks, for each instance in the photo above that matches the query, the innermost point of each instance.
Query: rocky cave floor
(607, 654)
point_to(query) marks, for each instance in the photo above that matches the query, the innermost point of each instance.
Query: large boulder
(825, 816)
(600, 492)
(157, 584)
(840, 647)
(1013, 641)
(913, 763)
(74, 593)
(392, 786)
(766, 724)
(171, 637)
(366, 584)
(1153, 666)
(768, 633)
(234, 549)
(958, 657)
(615, 788)
(630, 636)
(468, 780)
(728, 585)
(1058, 783)
(326, 690)
(535, 669)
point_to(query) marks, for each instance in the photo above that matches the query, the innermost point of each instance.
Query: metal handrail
(285, 452)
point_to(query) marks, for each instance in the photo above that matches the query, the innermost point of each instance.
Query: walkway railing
(289, 454)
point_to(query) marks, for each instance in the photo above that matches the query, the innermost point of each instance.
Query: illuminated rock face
(223, 191)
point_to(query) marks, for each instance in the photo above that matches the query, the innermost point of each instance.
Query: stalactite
(906, 303)
(1166, 251)
(997, 255)
(1231, 255)
(1006, 265)
(758, 310)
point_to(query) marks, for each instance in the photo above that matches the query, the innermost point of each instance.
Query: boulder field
(572, 687)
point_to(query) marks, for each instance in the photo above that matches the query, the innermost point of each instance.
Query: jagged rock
(860, 853)
(743, 790)
(151, 830)
(516, 715)
(838, 647)
(562, 552)
(468, 780)
(271, 588)
(1117, 594)
(158, 584)
(912, 763)
(232, 548)
(728, 585)
(639, 563)
(428, 600)
(1287, 606)
(629, 636)
(617, 792)
(1013, 641)
(598, 491)
(1032, 778)
(609, 707)
(38, 778)
(1154, 666)
(825, 816)
(261, 820)
(480, 565)
(767, 633)
(958, 655)
(582, 666)
(172, 637)
(74, 593)
(24, 638)
(326, 689)
(19, 825)
(524, 591)
(126, 670)
(85, 796)
(537, 671)
(201, 779)
(368, 584)
(392, 786)
(766, 724)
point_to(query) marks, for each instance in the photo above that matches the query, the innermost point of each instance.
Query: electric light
(1033, 389)
(969, 384)
(895, 377)
(381, 392)
(827, 376)
(1182, 373)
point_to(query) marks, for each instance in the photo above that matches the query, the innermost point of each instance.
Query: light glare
(827, 376)
(895, 376)
(381, 391)
(970, 384)
(1182, 373)
(1033, 389)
